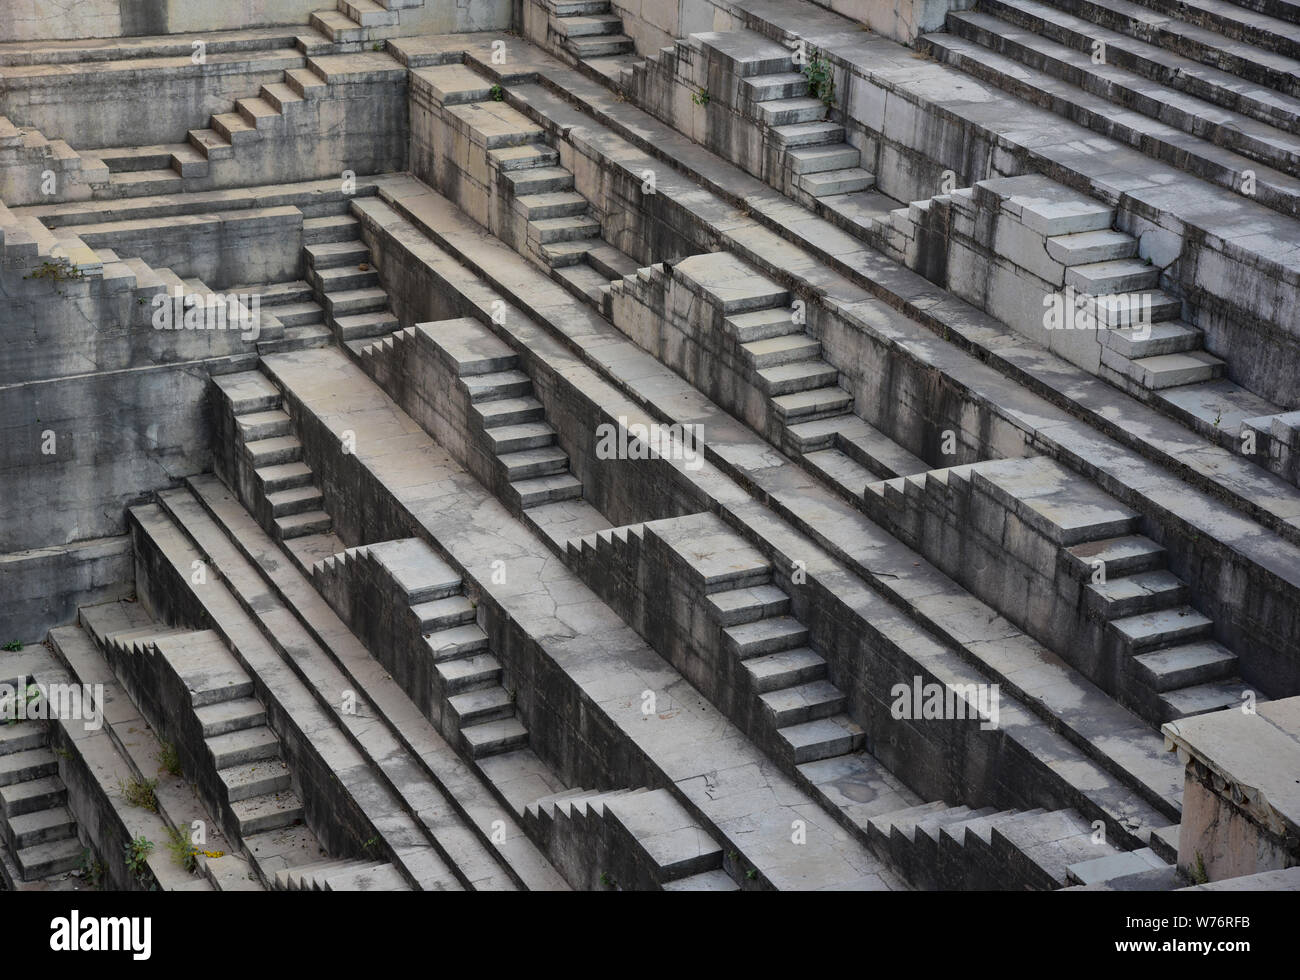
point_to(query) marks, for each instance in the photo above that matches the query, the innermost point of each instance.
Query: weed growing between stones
(13, 646)
(140, 792)
(821, 78)
(700, 96)
(92, 870)
(61, 270)
(137, 862)
(498, 93)
(183, 853)
(169, 759)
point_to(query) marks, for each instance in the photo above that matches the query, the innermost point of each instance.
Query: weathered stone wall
(43, 587)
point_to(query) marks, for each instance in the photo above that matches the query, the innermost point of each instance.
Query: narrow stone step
(791, 112)
(547, 489)
(819, 159)
(331, 228)
(444, 613)
(254, 779)
(18, 767)
(556, 204)
(1201, 698)
(1141, 592)
(270, 811)
(374, 323)
(531, 463)
(1115, 276)
(1162, 628)
(230, 716)
(299, 525)
(469, 673)
(1125, 555)
(1185, 665)
(20, 736)
(283, 476)
(327, 255)
(481, 705)
(31, 796)
(841, 469)
(808, 134)
(734, 607)
(529, 156)
(494, 737)
(1170, 370)
(506, 439)
(786, 349)
(497, 384)
(589, 25)
(539, 180)
(801, 376)
(1087, 247)
(296, 500)
(41, 827)
(764, 636)
(279, 450)
(243, 746)
(349, 301)
(824, 183)
(508, 411)
(816, 403)
(548, 231)
(599, 46)
(805, 702)
(51, 858)
(344, 278)
(1169, 337)
(458, 641)
(824, 738)
(785, 670)
(762, 324)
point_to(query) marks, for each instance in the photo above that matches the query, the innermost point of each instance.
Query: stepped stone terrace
(707, 445)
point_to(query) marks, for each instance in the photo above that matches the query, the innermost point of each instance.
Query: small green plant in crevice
(498, 93)
(700, 96)
(607, 880)
(370, 844)
(821, 78)
(61, 752)
(137, 861)
(377, 46)
(1218, 418)
(140, 792)
(752, 874)
(13, 646)
(92, 871)
(169, 758)
(60, 270)
(1199, 874)
(182, 851)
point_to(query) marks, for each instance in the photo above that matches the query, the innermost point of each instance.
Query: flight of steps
(795, 701)
(288, 504)
(38, 828)
(817, 158)
(342, 875)
(942, 847)
(476, 712)
(1169, 667)
(345, 282)
(242, 752)
(626, 840)
(591, 32)
(1162, 88)
(27, 146)
(292, 306)
(1277, 443)
(354, 22)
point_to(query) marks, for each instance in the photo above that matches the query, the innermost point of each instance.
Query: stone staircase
(287, 502)
(37, 826)
(592, 33)
(340, 876)
(1123, 617)
(453, 663)
(353, 22)
(345, 283)
(1032, 51)
(942, 847)
(627, 840)
(242, 753)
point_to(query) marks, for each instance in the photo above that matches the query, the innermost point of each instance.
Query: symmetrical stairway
(288, 503)
(627, 840)
(345, 282)
(341, 876)
(38, 828)
(591, 32)
(1162, 77)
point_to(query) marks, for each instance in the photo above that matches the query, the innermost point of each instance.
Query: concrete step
(539, 180)
(841, 470)
(340, 278)
(40, 827)
(824, 738)
(331, 228)
(328, 255)
(1163, 371)
(299, 525)
(801, 376)
(456, 641)
(20, 736)
(1184, 665)
(824, 183)
(267, 424)
(1146, 632)
(785, 349)
(808, 134)
(589, 25)
(763, 636)
(1128, 595)
(813, 404)
(1101, 869)
(36, 763)
(242, 746)
(791, 112)
(230, 716)
(1201, 698)
(275, 451)
(785, 669)
(525, 157)
(270, 811)
(494, 737)
(508, 411)
(769, 88)
(548, 231)
(248, 391)
(528, 464)
(820, 159)
(254, 779)
(444, 613)
(283, 476)
(1170, 337)
(481, 705)
(734, 607)
(810, 701)
(373, 323)
(1128, 554)
(556, 204)
(546, 489)
(469, 673)
(762, 324)
(296, 500)
(45, 793)
(50, 858)
(1112, 276)
(350, 301)
(507, 439)
(497, 384)
(600, 46)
